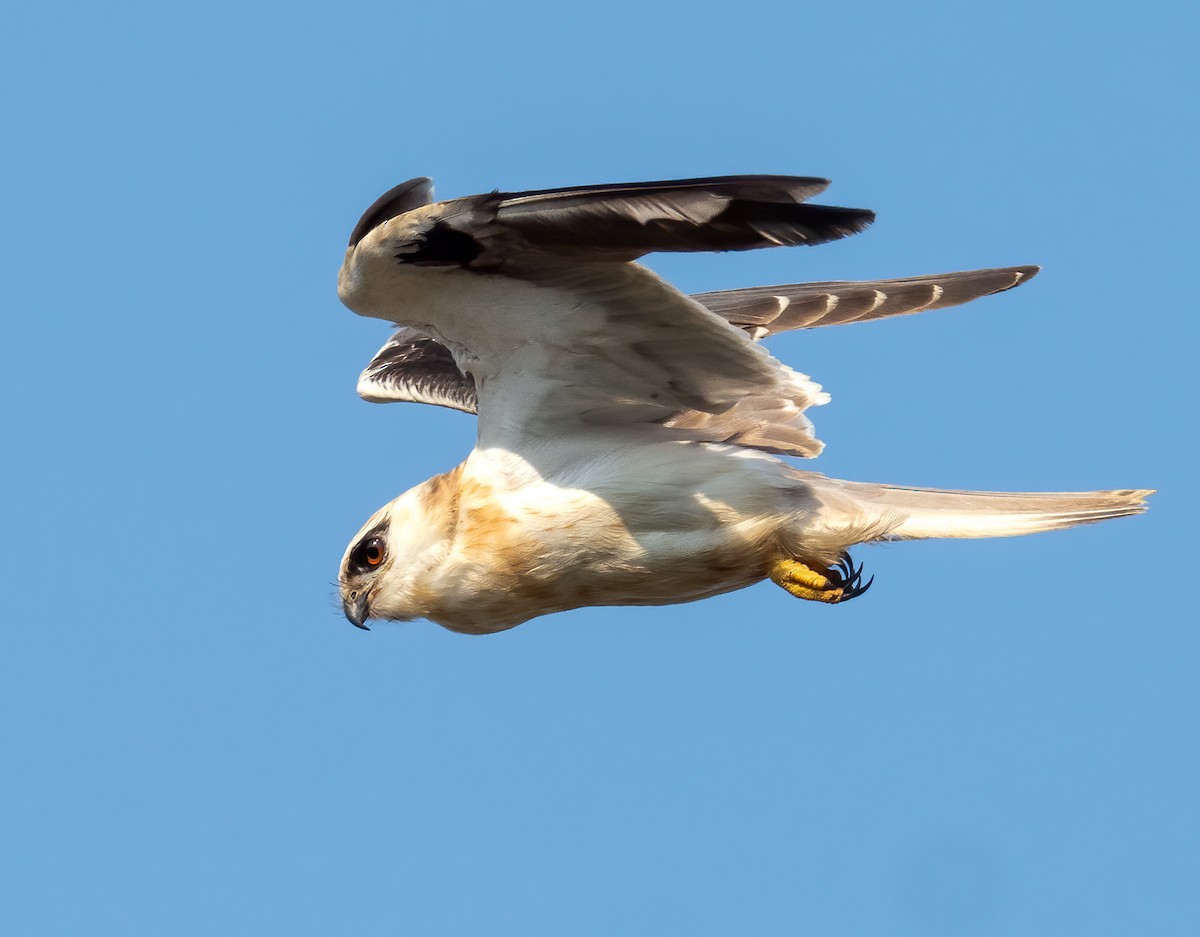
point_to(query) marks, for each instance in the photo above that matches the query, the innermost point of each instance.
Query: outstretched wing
(414, 367)
(534, 297)
(623, 222)
(605, 222)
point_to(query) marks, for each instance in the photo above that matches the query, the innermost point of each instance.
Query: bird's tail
(888, 512)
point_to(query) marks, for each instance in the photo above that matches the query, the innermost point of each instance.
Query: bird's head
(386, 567)
(365, 566)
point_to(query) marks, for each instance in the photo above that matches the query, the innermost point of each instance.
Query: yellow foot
(839, 584)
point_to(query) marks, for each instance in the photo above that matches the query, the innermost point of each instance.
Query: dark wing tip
(844, 222)
(415, 193)
(763, 224)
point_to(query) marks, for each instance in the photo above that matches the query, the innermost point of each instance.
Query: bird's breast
(523, 551)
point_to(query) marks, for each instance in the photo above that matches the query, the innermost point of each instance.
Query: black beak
(357, 609)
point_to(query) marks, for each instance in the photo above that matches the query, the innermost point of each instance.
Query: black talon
(859, 590)
(851, 583)
(845, 570)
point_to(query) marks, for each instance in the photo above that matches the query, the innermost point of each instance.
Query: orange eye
(368, 554)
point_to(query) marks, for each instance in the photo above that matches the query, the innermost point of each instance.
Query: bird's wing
(606, 222)
(761, 408)
(765, 310)
(534, 297)
(625, 221)
(626, 348)
(533, 303)
(414, 367)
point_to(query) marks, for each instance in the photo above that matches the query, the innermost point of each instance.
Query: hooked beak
(357, 609)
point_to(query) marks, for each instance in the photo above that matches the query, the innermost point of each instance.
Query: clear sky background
(1000, 738)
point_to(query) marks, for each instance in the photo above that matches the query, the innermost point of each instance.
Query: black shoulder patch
(442, 246)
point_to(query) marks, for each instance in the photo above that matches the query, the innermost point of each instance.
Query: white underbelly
(620, 535)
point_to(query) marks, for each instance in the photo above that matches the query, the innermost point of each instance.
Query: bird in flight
(631, 438)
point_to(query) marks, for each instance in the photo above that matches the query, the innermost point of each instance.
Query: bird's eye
(369, 553)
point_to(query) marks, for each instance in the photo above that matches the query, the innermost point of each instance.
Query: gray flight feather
(766, 310)
(722, 213)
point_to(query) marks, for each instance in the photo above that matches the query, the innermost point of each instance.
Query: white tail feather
(893, 513)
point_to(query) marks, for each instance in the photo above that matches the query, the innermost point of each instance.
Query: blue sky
(998, 739)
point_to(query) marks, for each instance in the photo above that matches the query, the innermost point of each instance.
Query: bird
(634, 444)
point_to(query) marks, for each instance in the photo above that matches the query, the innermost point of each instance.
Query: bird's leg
(838, 584)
